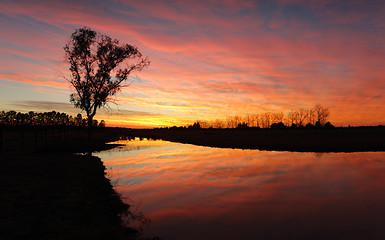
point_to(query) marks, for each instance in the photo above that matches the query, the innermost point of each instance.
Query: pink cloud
(263, 183)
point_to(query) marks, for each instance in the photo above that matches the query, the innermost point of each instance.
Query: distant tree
(232, 122)
(102, 123)
(242, 125)
(309, 125)
(92, 58)
(52, 118)
(318, 124)
(301, 116)
(250, 120)
(204, 124)
(32, 117)
(78, 119)
(328, 125)
(278, 117)
(2, 118)
(266, 119)
(311, 116)
(11, 117)
(321, 114)
(292, 118)
(218, 124)
(257, 120)
(196, 125)
(278, 125)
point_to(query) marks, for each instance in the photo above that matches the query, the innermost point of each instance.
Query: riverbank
(56, 194)
(17, 139)
(358, 139)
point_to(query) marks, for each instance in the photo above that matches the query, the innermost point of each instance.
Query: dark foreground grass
(302, 140)
(59, 195)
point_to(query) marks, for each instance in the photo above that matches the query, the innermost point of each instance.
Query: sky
(210, 59)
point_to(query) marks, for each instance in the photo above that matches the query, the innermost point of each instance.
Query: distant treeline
(53, 118)
(310, 117)
(300, 118)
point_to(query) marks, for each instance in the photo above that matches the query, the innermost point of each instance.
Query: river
(195, 192)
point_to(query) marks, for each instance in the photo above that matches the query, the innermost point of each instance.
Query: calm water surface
(193, 192)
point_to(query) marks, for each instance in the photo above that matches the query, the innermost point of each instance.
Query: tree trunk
(90, 120)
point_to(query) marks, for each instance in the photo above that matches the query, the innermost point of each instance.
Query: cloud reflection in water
(193, 192)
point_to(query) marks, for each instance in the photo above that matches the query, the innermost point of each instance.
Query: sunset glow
(200, 192)
(209, 59)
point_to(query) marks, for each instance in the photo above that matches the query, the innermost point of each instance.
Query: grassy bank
(59, 195)
(302, 140)
(16, 139)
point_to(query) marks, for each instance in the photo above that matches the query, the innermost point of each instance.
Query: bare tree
(218, 124)
(204, 124)
(293, 117)
(311, 116)
(301, 116)
(257, 120)
(92, 58)
(298, 117)
(321, 114)
(266, 119)
(232, 122)
(278, 117)
(249, 119)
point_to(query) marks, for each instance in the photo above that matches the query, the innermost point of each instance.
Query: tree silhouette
(93, 57)
(309, 118)
(321, 114)
(302, 115)
(53, 118)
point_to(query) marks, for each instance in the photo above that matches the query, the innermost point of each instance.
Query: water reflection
(193, 192)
